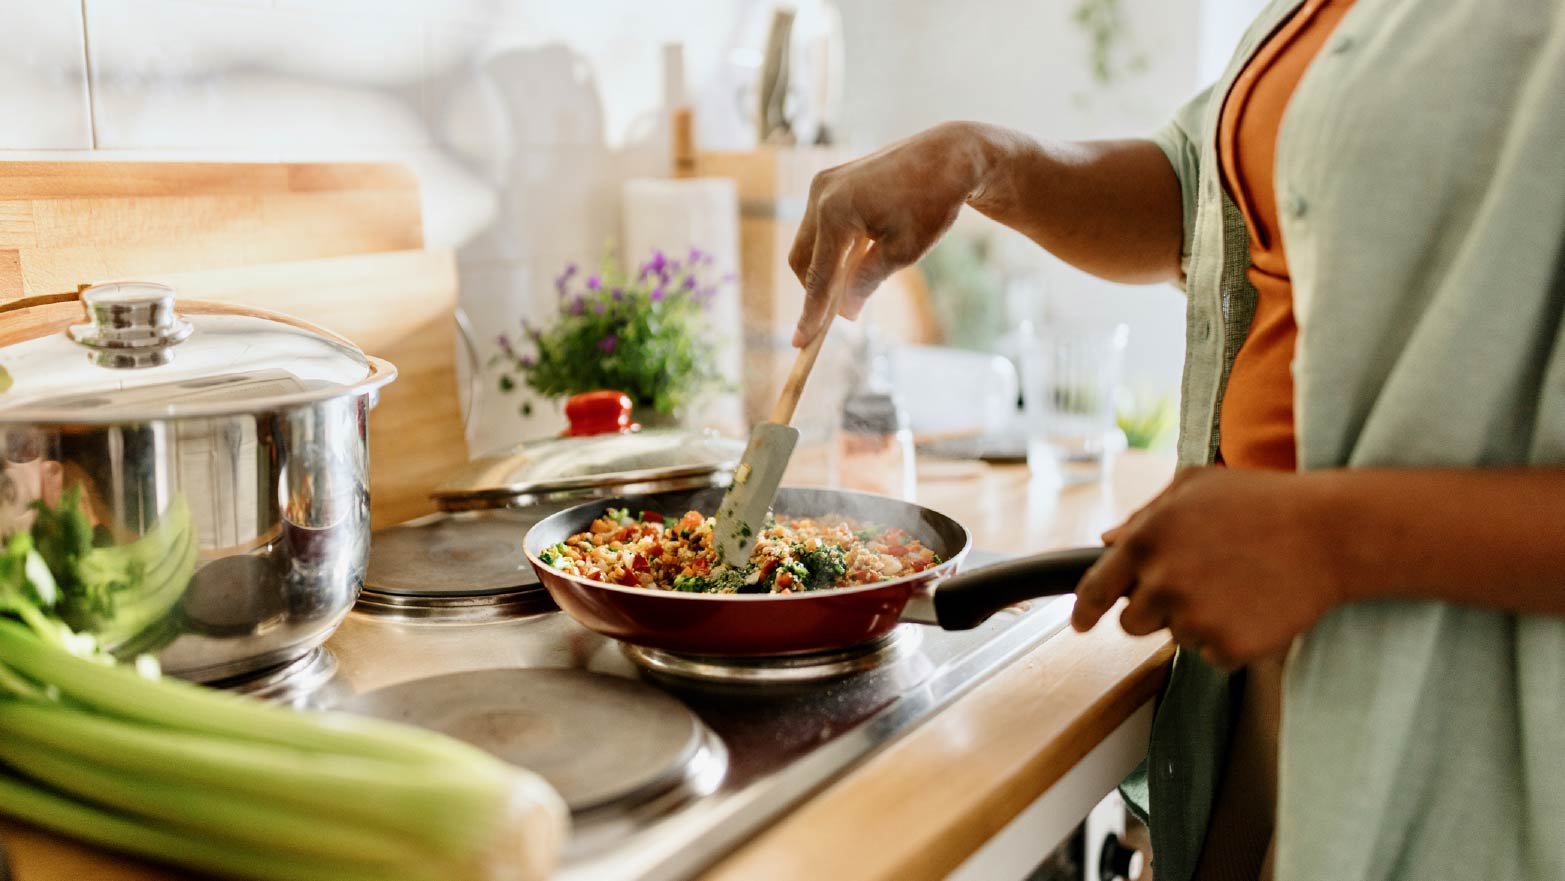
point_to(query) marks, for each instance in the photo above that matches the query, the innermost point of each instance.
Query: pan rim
(944, 569)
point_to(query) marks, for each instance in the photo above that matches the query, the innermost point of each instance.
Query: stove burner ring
(453, 567)
(605, 743)
(459, 555)
(290, 683)
(883, 651)
(465, 609)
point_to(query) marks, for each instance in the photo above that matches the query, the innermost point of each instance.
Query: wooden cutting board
(338, 245)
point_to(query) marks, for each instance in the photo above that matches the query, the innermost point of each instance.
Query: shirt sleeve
(1180, 142)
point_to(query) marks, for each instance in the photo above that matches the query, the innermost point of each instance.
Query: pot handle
(965, 601)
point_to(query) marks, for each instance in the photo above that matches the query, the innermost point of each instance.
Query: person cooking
(1367, 213)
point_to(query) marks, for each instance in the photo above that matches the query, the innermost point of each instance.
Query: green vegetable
(721, 581)
(116, 593)
(209, 780)
(229, 784)
(824, 565)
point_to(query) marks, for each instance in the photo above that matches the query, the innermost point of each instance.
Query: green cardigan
(1420, 181)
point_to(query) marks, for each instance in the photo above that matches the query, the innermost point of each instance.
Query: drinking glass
(1070, 378)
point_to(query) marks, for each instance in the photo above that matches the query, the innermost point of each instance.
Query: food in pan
(792, 554)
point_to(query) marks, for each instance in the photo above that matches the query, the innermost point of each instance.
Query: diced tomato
(702, 565)
(691, 521)
(784, 580)
(628, 578)
(639, 564)
(652, 516)
(920, 566)
(897, 550)
(625, 533)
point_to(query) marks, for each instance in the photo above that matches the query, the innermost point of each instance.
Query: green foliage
(966, 291)
(644, 334)
(1148, 425)
(1104, 23)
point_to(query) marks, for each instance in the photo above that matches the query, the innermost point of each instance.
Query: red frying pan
(748, 625)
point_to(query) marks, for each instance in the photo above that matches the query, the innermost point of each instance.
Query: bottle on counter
(872, 450)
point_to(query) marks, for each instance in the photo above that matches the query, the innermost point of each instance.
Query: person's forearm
(1111, 208)
(1489, 538)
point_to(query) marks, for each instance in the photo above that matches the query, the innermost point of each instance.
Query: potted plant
(645, 334)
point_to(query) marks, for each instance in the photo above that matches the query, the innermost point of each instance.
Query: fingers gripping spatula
(742, 513)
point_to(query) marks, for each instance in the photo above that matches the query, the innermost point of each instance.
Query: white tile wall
(43, 77)
(521, 117)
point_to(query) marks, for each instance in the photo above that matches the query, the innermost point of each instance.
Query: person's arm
(1112, 208)
(1237, 563)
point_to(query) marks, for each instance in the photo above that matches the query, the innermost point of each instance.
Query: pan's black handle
(965, 601)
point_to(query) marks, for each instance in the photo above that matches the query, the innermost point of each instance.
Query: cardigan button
(1342, 44)
(1295, 206)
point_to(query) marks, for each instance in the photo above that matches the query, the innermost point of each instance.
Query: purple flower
(578, 306)
(594, 283)
(527, 362)
(505, 345)
(657, 293)
(658, 263)
(531, 331)
(563, 278)
(598, 307)
(690, 283)
(607, 344)
(619, 294)
(695, 255)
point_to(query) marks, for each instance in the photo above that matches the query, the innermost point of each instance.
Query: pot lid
(127, 350)
(565, 467)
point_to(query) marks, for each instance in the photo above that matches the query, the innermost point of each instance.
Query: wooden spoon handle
(788, 401)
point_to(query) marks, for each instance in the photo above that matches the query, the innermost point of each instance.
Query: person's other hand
(1235, 563)
(903, 198)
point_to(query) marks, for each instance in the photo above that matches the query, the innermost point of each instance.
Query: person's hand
(903, 198)
(1236, 563)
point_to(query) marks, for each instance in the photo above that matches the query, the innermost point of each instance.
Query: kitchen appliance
(668, 761)
(216, 454)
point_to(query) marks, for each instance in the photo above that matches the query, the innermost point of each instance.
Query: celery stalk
(50, 810)
(449, 809)
(212, 811)
(179, 705)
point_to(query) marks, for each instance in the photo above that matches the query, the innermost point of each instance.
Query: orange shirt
(1256, 423)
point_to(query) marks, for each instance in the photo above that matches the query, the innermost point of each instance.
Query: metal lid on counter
(583, 465)
(128, 351)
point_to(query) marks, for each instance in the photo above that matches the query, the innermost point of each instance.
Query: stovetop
(578, 710)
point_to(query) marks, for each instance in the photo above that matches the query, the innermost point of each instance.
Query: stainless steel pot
(219, 457)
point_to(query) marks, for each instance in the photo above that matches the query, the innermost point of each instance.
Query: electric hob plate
(599, 740)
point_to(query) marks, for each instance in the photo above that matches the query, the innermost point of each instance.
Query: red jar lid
(599, 412)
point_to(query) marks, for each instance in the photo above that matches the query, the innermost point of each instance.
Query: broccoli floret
(824, 565)
(722, 581)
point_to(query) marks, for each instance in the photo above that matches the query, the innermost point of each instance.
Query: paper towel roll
(675, 215)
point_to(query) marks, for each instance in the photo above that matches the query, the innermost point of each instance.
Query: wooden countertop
(918, 808)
